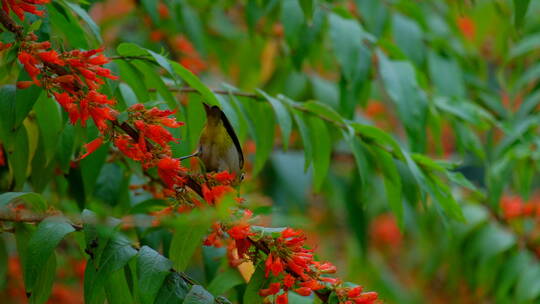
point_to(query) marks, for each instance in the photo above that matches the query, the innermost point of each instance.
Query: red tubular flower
(214, 194)
(303, 291)
(271, 290)
(92, 146)
(225, 177)
(240, 231)
(51, 57)
(131, 149)
(24, 84)
(325, 267)
(288, 281)
(354, 292)
(30, 65)
(101, 115)
(282, 299)
(312, 284)
(169, 170)
(156, 115)
(19, 7)
(366, 298)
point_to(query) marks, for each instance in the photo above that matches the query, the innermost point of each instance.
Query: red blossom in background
(467, 27)
(19, 7)
(190, 58)
(384, 232)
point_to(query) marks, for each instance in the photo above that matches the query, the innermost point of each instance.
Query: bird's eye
(242, 176)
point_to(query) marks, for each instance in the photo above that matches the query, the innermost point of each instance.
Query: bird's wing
(234, 138)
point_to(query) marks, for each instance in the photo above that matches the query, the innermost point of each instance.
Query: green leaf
(305, 134)
(375, 14)
(526, 45)
(392, 182)
(163, 62)
(41, 246)
(24, 100)
(323, 110)
(116, 254)
(193, 27)
(194, 82)
(134, 79)
(50, 122)
(94, 292)
(151, 7)
(257, 282)
(65, 23)
(7, 37)
(359, 153)
(66, 145)
(528, 285)
(292, 19)
(4, 255)
(173, 291)
(262, 131)
(349, 52)
(34, 200)
(449, 83)
(188, 235)
(225, 280)
(152, 269)
(283, 117)
(148, 206)
(154, 80)
(198, 295)
(44, 281)
(7, 115)
(117, 289)
(379, 136)
(91, 167)
(89, 21)
(295, 298)
(520, 10)
(512, 270)
(492, 240)
(322, 152)
(308, 6)
(399, 80)
(409, 37)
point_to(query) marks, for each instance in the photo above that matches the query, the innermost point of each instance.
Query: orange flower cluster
(19, 7)
(385, 233)
(73, 78)
(289, 264)
(467, 27)
(152, 147)
(190, 58)
(354, 295)
(513, 207)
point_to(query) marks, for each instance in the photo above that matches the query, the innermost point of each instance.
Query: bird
(219, 149)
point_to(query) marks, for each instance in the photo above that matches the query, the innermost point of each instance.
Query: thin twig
(220, 92)
(11, 26)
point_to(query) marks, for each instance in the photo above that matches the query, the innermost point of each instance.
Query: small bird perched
(219, 148)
